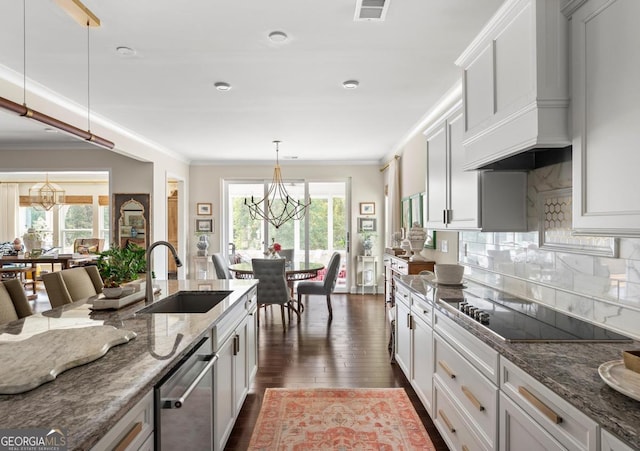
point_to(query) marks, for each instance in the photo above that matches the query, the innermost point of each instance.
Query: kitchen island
(568, 369)
(87, 401)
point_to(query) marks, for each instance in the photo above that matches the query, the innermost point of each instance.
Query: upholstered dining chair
(323, 287)
(221, 266)
(272, 285)
(13, 301)
(70, 285)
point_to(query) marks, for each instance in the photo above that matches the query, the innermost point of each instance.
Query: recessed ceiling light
(222, 86)
(351, 84)
(125, 51)
(278, 36)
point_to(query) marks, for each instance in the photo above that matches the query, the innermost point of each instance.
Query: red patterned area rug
(338, 419)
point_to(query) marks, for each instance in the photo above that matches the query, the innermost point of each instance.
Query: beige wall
(205, 185)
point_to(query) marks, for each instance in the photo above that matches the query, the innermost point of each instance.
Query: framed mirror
(131, 219)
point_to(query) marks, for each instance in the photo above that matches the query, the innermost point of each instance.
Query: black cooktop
(518, 320)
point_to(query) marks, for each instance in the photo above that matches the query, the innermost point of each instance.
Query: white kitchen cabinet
(134, 431)
(610, 442)
(458, 199)
(604, 53)
(559, 419)
(235, 344)
(515, 83)
(403, 329)
(517, 429)
(422, 351)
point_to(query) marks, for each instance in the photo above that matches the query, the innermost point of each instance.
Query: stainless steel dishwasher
(184, 402)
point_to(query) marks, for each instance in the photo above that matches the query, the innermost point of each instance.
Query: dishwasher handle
(177, 402)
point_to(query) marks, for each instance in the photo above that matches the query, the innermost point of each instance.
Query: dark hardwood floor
(349, 351)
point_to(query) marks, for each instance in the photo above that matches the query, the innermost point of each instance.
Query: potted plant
(119, 265)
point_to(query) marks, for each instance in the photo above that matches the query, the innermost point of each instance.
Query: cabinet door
(463, 185)
(240, 375)
(403, 337)
(252, 344)
(605, 117)
(422, 362)
(437, 177)
(517, 429)
(223, 398)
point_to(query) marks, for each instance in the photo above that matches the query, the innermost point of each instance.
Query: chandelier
(46, 195)
(277, 207)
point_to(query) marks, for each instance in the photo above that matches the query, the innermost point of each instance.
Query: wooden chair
(13, 301)
(272, 285)
(324, 287)
(70, 285)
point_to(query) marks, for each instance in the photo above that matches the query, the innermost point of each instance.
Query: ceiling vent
(371, 10)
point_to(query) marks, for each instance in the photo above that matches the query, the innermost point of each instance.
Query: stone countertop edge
(568, 369)
(88, 400)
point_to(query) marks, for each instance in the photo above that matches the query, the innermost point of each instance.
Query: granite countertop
(88, 400)
(568, 369)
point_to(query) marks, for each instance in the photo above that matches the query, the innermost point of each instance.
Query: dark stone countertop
(568, 369)
(88, 400)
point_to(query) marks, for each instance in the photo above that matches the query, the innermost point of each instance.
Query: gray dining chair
(323, 287)
(272, 285)
(70, 285)
(13, 301)
(221, 266)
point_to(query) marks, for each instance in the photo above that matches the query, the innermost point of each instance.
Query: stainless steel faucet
(149, 281)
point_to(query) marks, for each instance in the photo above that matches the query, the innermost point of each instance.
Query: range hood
(531, 159)
(515, 78)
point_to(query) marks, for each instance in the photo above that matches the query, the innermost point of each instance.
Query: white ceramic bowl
(449, 274)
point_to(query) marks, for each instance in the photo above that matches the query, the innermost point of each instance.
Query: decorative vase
(202, 245)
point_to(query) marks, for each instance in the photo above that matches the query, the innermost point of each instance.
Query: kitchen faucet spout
(149, 281)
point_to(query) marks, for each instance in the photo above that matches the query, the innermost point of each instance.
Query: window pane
(245, 233)
(77, 223)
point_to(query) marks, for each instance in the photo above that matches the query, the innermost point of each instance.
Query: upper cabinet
(605, 62)
(515, 83)
(457, 199)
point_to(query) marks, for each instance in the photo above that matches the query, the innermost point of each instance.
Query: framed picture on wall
(367, 208)
(366, 225)
(406, 213)
(204, 209)
(416, 209)
(204, 225)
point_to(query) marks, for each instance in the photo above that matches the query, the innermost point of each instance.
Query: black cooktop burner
(514, 319)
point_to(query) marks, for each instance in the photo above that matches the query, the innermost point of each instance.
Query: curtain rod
(384, 168)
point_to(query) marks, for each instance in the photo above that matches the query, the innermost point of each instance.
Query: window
(76, 221)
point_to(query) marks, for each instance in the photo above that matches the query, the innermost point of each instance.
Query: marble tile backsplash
(595, 288)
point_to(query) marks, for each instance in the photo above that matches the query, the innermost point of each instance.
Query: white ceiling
(290, 91)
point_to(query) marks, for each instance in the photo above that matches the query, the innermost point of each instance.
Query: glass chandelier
(46, 195)
(277, 207)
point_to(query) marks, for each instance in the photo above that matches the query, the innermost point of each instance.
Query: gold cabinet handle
(477, 404)
(446, 421)
(446, 369)
(127, 439)
(542, 407)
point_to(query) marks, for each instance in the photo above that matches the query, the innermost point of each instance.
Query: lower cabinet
(518, 428)
(422, 361)
(403, 330)
(236, 367)
(134, 431)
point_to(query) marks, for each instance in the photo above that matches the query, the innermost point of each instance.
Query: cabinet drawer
(565, 423)
(475, 395)
(402, 267)
(422, 308)
(479, 354)
(226, 326)
(133, 430)
(451, 424)
(403, 294)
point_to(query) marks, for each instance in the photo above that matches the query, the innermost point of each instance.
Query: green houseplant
(118, 265)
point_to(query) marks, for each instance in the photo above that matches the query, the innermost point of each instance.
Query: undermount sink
(187, 302)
